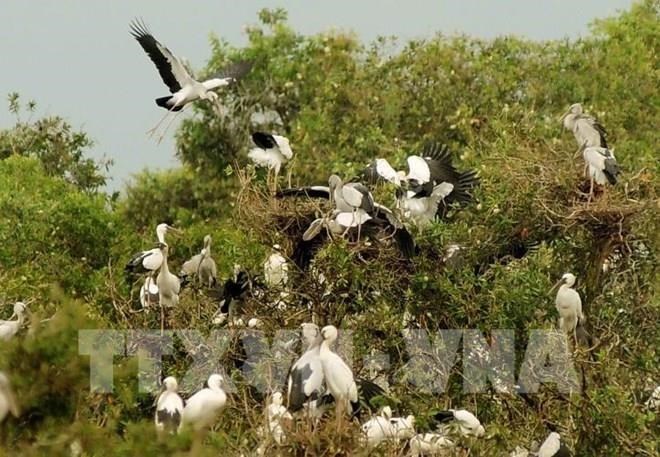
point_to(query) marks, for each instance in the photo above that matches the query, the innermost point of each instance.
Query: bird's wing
(356, 195)
(170, 68)
(346, 219)
(549, 447)
(229, 74)
(311, 192)
(598, 127)
(418, 169)
(379, 170)
(467, 418)
(284, 146)
(264, 140)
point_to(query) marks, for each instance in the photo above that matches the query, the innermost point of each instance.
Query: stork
(169, 407)
(585, 128)
(305, 379)
(149, 261)
(201, 265)
(272, 152)
(569, 305)
(553, 447)
(9, 328)
(601, 166)
(461, 421)
(203, 407)
(179, 80)
(337, 374)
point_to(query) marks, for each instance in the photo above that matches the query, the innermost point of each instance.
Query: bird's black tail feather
(163, 102)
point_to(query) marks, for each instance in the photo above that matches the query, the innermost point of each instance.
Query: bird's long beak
(561, 118)
(557, 284)
(174, 230)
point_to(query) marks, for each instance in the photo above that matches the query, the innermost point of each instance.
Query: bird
(403, 427)
(305, 378)
(149, 261)
(183, 86)
(276, 268)
(168, 283)
(585, 128)
(233, 290)
(7, 399)
(431, 185)
(272, 152)
(569, 304)
(337, 374)
(169, 407)
(9, 328)
(601, 166)
(200, 265)
(276, 414)
(461, 421)
(519, 451)
(149, 292)
(430, 444)
(203, 407)
(553, 447)
(378, 428)
(653, 401)
(354, 198)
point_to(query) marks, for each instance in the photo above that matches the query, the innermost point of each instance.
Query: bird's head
(386, 412)
(309, 332)
(170, 384)
(567, 278)
(19, 308)
(207, 240)
(334, 181)
(575, 109)
(276, 399)
(329, 333)
(215, 381)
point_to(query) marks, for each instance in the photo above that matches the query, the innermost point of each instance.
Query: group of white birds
(320, 377)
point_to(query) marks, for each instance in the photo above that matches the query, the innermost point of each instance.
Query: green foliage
(54, 142)
(341, 103)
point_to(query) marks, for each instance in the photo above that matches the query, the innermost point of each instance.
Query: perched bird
(305, 378)
(9, 328)
(179, 80)
(149, 292)
(272, 152)
(461, 421)
(337, 374)
(276, 268)
(276, 414)
(569, 304)
(200, 265)
(202, 408)
(232, 291)
(167, 282)
(149, 261)
(586, 129)
(403, 427)
(601, 165)
(7, 398)
(430, 444)
(169, 407)
(553, 447)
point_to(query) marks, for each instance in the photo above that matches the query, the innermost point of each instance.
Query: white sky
(77, 59)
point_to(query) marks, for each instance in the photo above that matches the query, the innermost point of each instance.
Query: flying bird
(553, 447)
(203, 407)
(169, 407)
(569, 304)
(7, 398)
(9, 328)
(179, 80)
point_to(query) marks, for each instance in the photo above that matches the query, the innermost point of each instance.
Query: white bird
(305, 379)
(586, 129)
(203, 407)
(461, 421)
(179, 80)
(337, 374)
(9, 328)
(602, 166)
(430, 444)
(654, 400)
(201, 265)
(403, 427)
(149, 261)
(272, 151)
(378, 428)
(276, 414)
(276, 268)
(569, 304)
(354, 198)
(553, 447)
(7, 398)
(168, 283)
(169, 407)
(149, 292)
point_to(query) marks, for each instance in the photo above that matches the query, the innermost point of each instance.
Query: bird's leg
(162, 320)
(153, 130)
(169, 124)
(591, 190)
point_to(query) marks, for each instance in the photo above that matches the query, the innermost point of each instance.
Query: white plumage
(7, 399)
(276, 414)
(149, 261)
(338, 376)
(464, 422)
(201, 265)
(378, 428)
(586, 129)
(552, 447)
(203, 407)
(422, 210)
(272, 151)
(602, 165)
(169, 407)
(168, 283)
(569, 304)
(276, 269)
(149, 292)
(305, 380)
(9, 328)
(430, 444)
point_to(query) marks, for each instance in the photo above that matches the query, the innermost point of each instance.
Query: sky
(76, 59)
